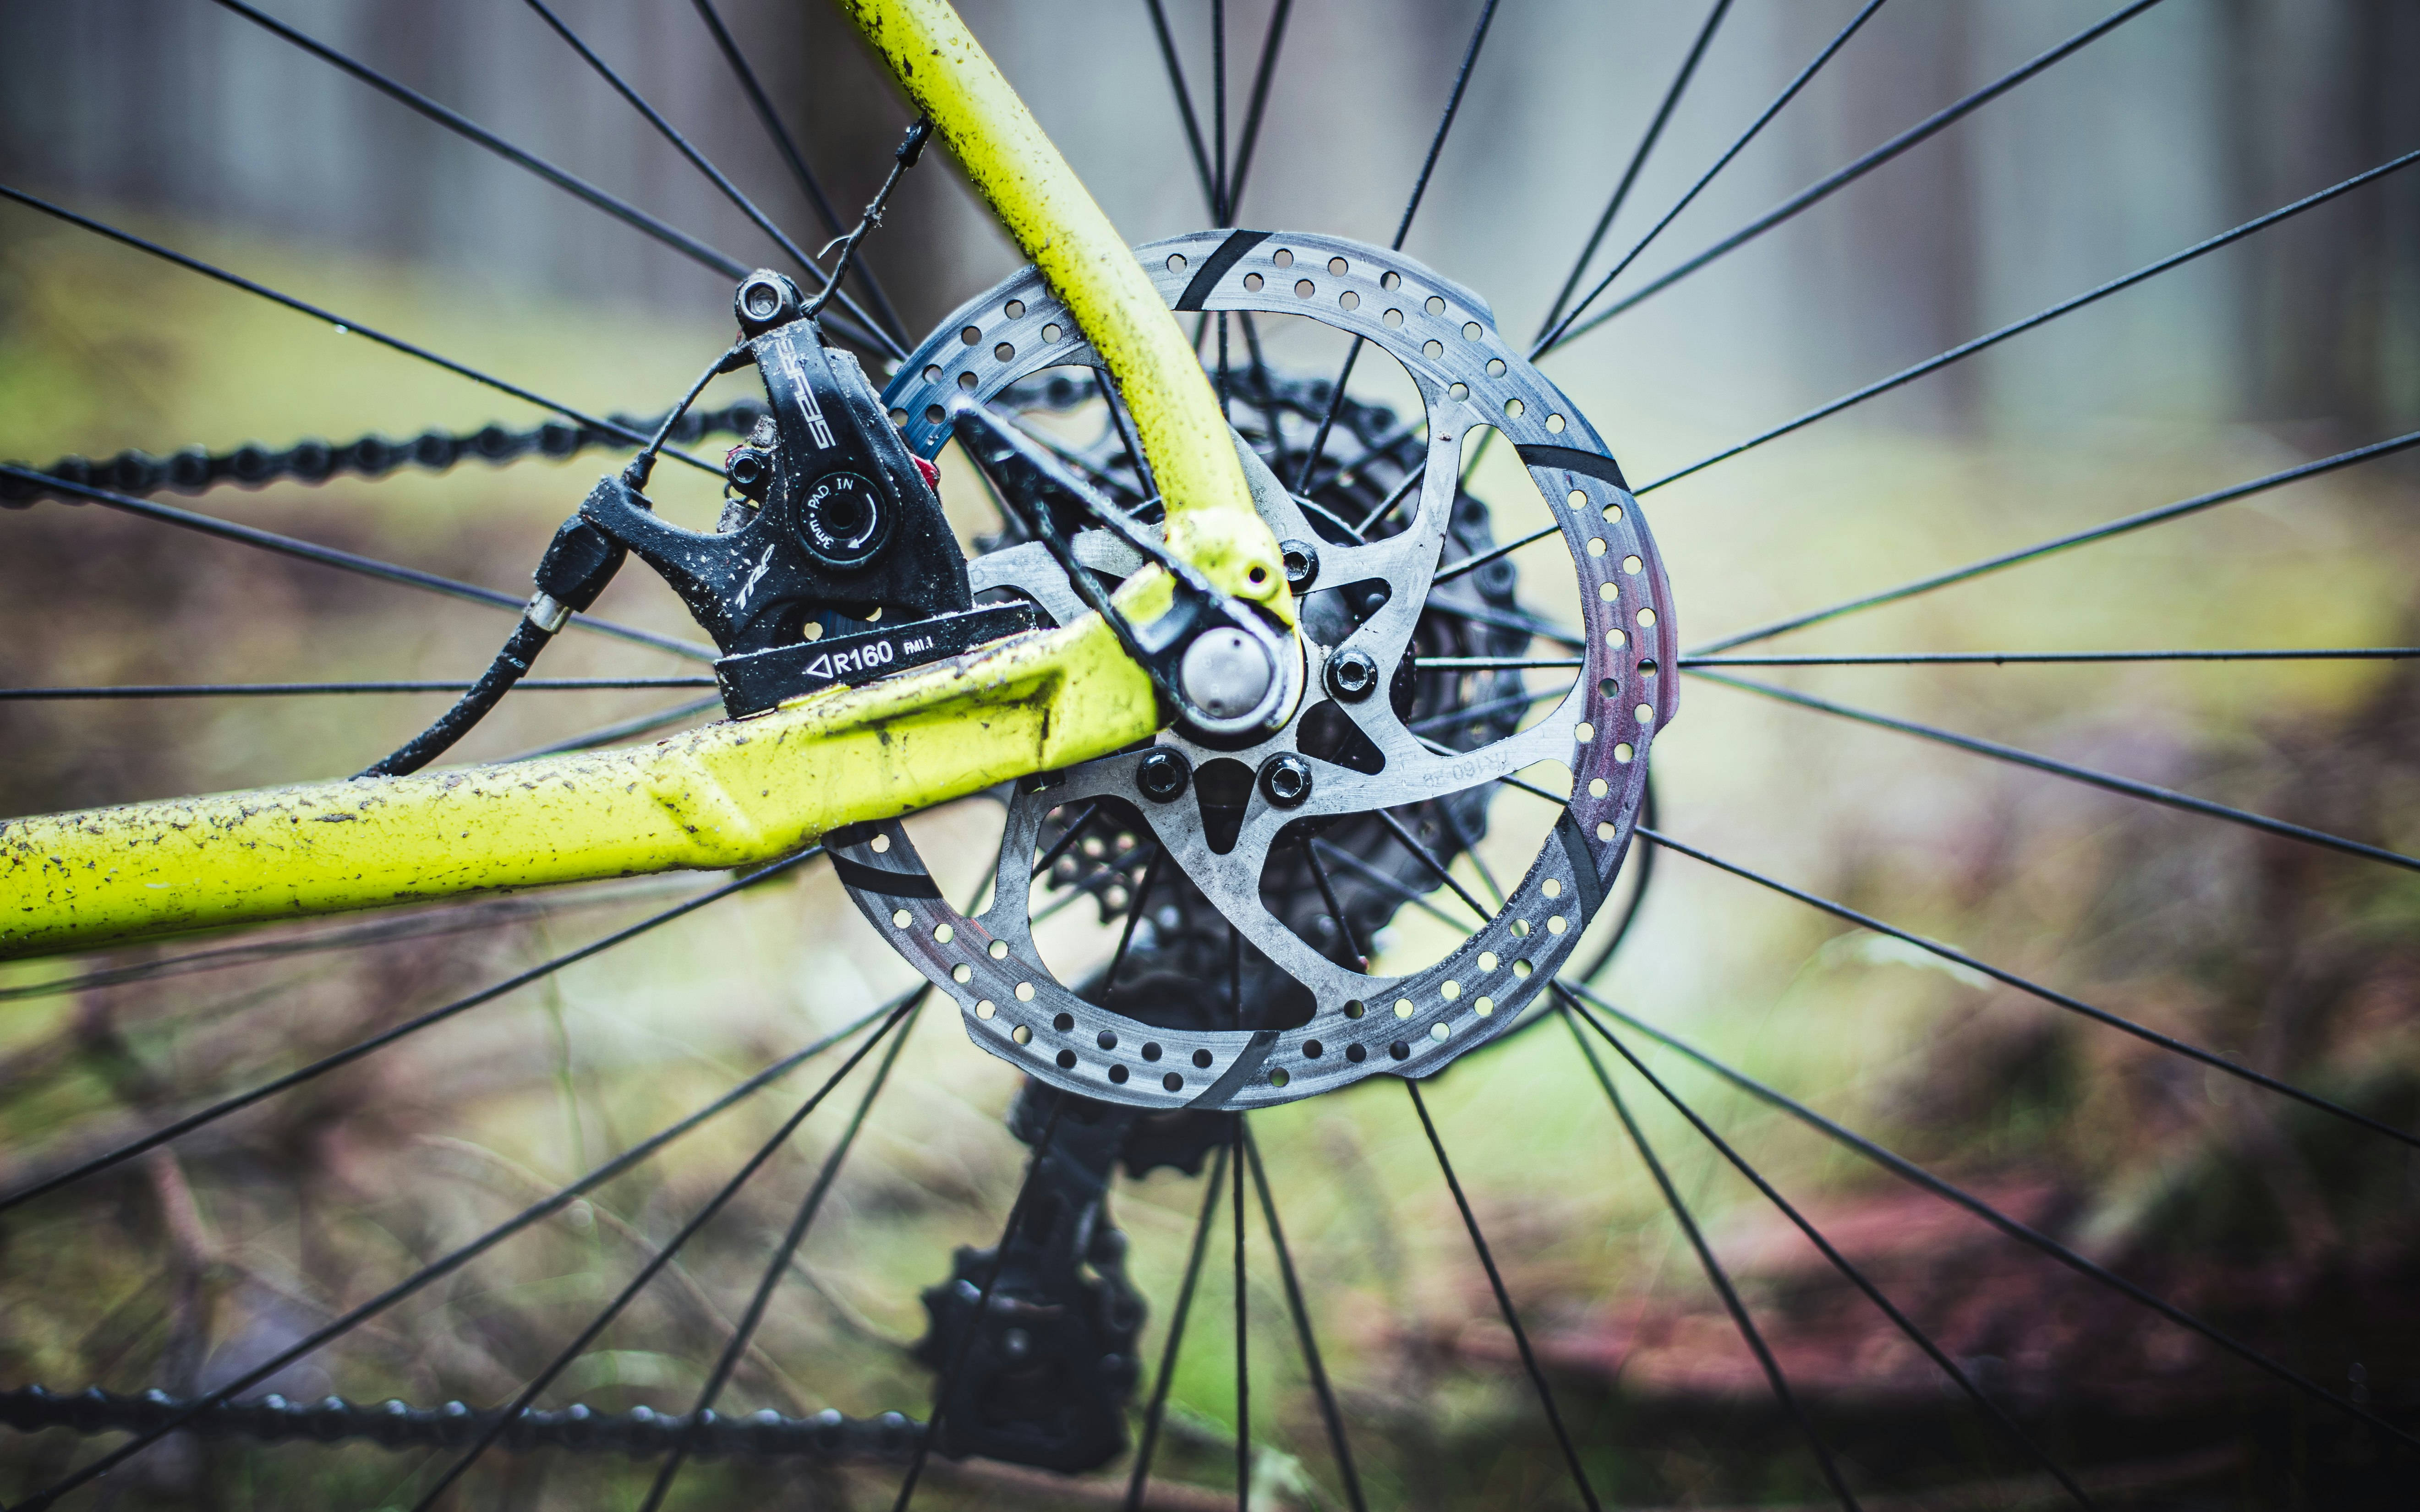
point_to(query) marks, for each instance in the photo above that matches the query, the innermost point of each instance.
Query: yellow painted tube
(735, 794)
(1045, 207)
(729, 794)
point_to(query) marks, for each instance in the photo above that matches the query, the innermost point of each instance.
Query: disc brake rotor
(1352, 1023)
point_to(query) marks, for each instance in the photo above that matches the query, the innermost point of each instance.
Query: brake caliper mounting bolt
(1163, 775)
(1352, 675)
(1285, 780)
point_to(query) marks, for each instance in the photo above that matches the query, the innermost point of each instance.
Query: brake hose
(578, 562)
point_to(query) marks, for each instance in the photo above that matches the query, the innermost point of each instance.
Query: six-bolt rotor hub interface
(1469, 378)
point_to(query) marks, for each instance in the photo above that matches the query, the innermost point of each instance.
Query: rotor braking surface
(1360, 1022)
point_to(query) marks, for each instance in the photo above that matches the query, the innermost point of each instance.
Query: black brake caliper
(837, 523)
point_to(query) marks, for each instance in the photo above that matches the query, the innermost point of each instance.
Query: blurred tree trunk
(2320, 90)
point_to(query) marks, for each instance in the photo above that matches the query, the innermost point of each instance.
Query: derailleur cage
(1045, 1367)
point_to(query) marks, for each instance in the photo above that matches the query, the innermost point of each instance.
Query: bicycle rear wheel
(2127, 1214)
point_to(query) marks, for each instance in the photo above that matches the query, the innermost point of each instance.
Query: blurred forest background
(178, 119)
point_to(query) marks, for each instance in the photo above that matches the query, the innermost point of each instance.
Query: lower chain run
(641, 1434)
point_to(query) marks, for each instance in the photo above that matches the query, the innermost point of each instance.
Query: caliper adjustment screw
(1285, 780)
(764, 299)
(1300, 560)
(1163, 775)
(1352, 676)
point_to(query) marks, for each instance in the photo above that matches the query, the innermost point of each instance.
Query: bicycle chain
(195, 470)
(639, 1433)
(252, 465)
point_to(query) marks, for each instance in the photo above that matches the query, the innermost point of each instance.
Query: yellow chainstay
(733, 794)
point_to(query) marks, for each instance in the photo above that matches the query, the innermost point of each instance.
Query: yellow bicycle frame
(733, 793)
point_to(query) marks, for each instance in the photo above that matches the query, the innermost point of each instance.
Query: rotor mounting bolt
(1226, 674)
(1300, 560)
(1163, 775)
(1285, 780)
(1352, 676)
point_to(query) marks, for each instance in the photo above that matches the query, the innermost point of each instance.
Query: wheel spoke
(446, 1265)
(638, 724)
(1573, 1010)
(1629, 909)
(1547, 338)
(1243, 1351)
(2053, 658)
(328, 556)
(1403, 229)
(983, 1305)
(1430, 858)
(1917, 1175)
(1134, 916)
(1656, 125)
(1062, 846)
(1506, 620)
(1108, 877)
(200, 690)
(905, 1021)
(1385, 446)
(1481, 713)
(713, 175)
(1637, 890)
(1468, 846)
(669, 1248)
(1144, 482)
(387, 1037)
(672, 236)
(2091, 296)
(1330, 1412)
(343, 324)
(1386, 505)
(788, 145)
(1383, 882)
(1236, 977)
(1140, 1476)
(1499, 664)
(1646, 858)
(2128, 786)
(1718, 1278)
(1823, 189)
(1353, 951)
(491, 914)
(1219, 201)
(2048, 995)
(2062, 542)
(1472, 563)
(1265, 402)
(1504, 1302)
(1183, 103)
(1271, 39)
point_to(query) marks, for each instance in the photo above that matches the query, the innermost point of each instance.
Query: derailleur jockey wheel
(1233, 820)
